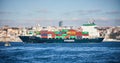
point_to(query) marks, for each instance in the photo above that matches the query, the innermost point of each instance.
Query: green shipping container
(56, 32)
(85, 33)
(72, 37)
(62, 37)
(57, 37)
(64, 34)
(64, 30)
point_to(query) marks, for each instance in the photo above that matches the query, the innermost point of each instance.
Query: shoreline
(108, 40)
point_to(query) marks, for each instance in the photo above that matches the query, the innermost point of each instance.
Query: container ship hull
(34, 39)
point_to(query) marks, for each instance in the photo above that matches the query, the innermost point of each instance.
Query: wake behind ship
(87, 33)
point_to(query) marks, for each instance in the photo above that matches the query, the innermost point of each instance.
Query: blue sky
(50, 12)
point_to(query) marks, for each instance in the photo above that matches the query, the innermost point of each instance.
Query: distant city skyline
(50, 12)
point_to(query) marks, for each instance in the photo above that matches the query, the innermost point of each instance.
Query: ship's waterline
(34, 39)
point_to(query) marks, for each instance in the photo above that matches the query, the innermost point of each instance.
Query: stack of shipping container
(51, 34)
(44, 34)
(63, 34)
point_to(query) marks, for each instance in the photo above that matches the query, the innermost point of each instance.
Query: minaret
(60, 23)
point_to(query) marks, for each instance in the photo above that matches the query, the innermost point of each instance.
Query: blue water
(106, 52)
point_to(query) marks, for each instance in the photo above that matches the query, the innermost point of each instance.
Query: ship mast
(91, 21)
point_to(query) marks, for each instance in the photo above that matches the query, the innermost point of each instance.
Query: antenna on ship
(91, 21)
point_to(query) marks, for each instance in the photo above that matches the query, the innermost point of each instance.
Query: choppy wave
(62, 53)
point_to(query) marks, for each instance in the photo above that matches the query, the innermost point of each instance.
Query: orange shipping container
(71, 33)
(44, 36)
(67, 36)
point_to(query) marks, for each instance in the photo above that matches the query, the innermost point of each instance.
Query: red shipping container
(53, 36)
(58, 34)
(44, 31)
(72, 30)
(78, 33)
(85, 35)
(52, 33)
(49, 32)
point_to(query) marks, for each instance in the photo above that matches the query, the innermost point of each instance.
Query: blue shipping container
(79, 37)
(43, 34)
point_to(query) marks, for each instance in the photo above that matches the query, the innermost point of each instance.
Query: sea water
(105, 52)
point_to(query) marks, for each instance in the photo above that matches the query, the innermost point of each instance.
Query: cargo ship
(87, 33)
